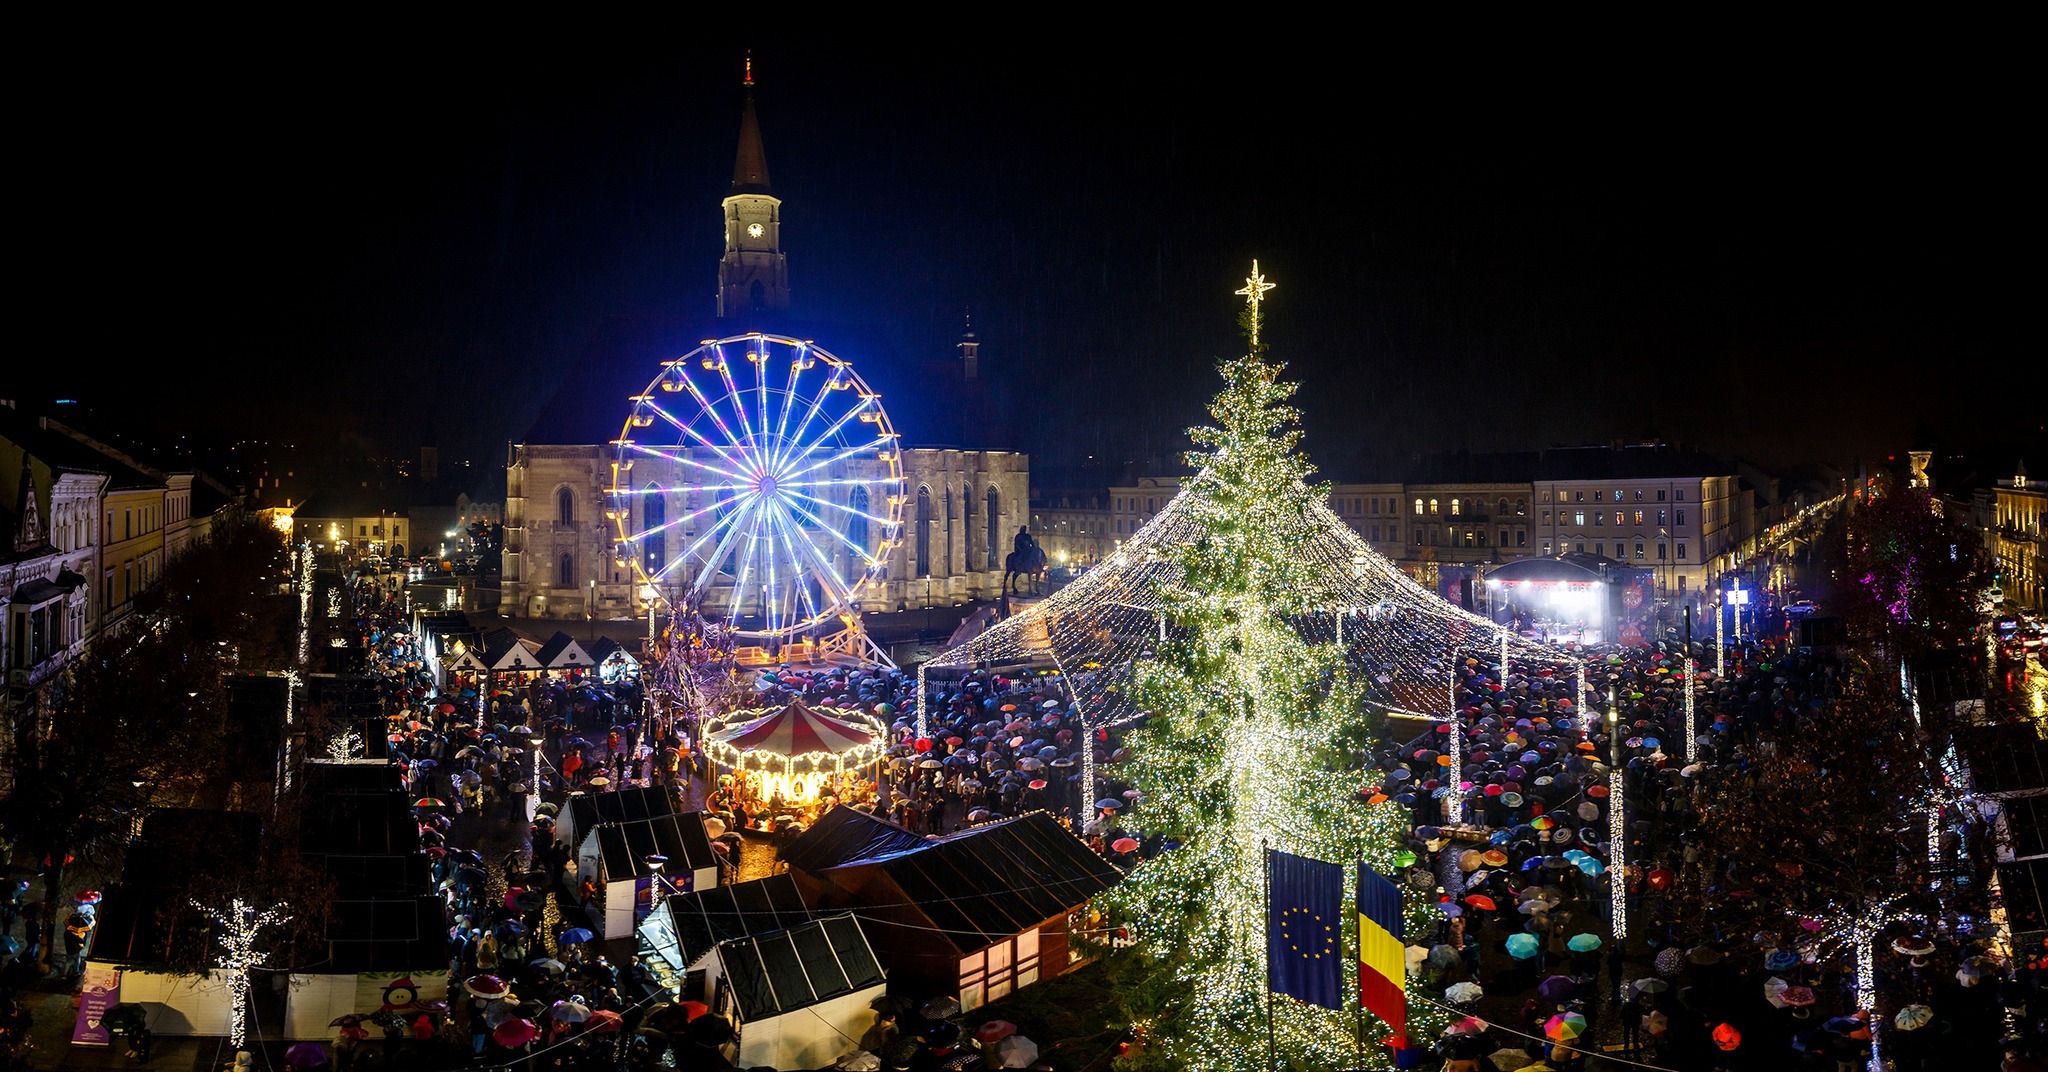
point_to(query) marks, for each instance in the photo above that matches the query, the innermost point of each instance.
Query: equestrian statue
(1026, 561)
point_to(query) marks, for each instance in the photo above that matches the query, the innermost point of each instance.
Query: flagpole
(1357, 968)
(1272, 1051)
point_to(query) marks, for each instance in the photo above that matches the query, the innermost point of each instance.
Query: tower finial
(1254, 290)
(750, 68)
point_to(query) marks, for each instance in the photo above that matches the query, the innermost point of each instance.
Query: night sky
(1783, 256)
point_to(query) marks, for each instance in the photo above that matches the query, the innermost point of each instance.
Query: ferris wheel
(758, 480)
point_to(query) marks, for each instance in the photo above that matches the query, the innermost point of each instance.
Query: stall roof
(705, 918)
(990, 882)
(388, 935)
(623, 846)
(561, 651)
(844, 834)
(782, 971)
(620, 806)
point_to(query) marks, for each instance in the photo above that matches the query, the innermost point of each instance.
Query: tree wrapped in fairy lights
(1250, 742)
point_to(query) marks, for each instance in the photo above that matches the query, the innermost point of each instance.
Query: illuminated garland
(725, 753)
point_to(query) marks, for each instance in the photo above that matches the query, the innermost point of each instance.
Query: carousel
(798, 759)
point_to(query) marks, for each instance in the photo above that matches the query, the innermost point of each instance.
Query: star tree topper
(1254, 291)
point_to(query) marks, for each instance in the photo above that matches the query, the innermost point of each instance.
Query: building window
(1681, 553)
(1681, 515)
(1679, 495)
(1617, 495)
(565, 571)
(994, 525)
(1660, 551)
(1522, 508)
(1432, 506)
(1639, 551)
(1639, 517)
(1661, 512)
(1522, 538)
(1375, 504)
(1501, 507)
(924, 532)
(1599, 517)
(362, 530)
(1503, 536)
(1599, 548)
(1418, 506)
(857, 523)
(1546, 517)
(1618, 516)
(1418, 536)
(1578, 497)
(1582, 547)
(1375, 532)
(1454, 507)
(1660, 495)
(565, 506)
(1578, 517)
(654, 538)
(1546, 549)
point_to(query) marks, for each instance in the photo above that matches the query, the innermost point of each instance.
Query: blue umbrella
(575, 935)
(1522, 946)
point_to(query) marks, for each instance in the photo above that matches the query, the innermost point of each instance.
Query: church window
(1501, 507)
(1418, 510)
(1454, 508)
(857, 527)
(565, 571)
(565, 506)
(924, 532)
(654, 545)
(994, 524)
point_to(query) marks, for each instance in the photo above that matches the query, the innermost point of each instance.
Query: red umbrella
(515, 1033)
(1124, 845)
(602, 1022)
(1480, 901)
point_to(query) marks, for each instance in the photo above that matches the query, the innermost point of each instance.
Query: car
(1802, 607)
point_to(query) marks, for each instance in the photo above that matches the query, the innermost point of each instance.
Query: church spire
(750, 171)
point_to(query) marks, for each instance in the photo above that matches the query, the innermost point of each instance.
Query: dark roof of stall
(844, 834)
(987, 883)
(781, 971)
(620, 806)
(624, 847)
(705, 918)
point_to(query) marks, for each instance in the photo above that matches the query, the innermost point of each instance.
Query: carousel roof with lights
(797, 729)
(1095, 630)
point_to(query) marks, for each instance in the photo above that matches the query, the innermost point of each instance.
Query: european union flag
(1305, 928)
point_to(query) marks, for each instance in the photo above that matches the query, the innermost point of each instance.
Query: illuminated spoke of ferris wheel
(842, 537)
(703, 404)
(792, 455)
(739, 404)
(739, 591)
(839, 507)
(783, 526)
(878, 441)
(684, 555)
(817, 403)
(796, 369)
(699, 512)
(841, 591)
(833, 482)
(686, 460)
(724, 548)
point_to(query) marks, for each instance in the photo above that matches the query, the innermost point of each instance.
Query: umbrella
(1565, 1027)
(516, 1032)
(430, 802)
(1798, 996)
(1781, 959)
(1670, 961)
(1015, 1052)
(1109, 803)
(1480, 901)
(1584, 943)
(1522, 946)
(1125, 845)
(1727, 1037)
(1774, 991)
(603, 1022)
(546, 966)
(574, 1013)
(1469, 1026)
(1510, 1058)
(1913, 946)
(575, 935)
(940, 1008)
(1650, 985)
(1974, 970)
(1463, 992)
(484, 985)
(994, 1030)
(1913, 1017)
(1558, 989)
(526, 901)
(1703, 955)
(306, 1055)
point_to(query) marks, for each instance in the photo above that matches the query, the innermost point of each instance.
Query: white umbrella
(1015, 1052)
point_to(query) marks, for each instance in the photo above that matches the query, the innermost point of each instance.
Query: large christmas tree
(1250, 744)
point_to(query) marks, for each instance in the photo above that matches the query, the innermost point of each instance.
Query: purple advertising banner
(98, 993)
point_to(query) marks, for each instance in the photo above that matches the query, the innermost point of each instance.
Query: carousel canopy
(797, 730)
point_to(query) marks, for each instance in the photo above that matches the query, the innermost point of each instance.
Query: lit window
(1418, 506)
(1432, 506)
(1454, 508)
(1681, 553)
(1639, 550)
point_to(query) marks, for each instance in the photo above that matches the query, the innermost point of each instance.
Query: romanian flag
(1382, 962)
